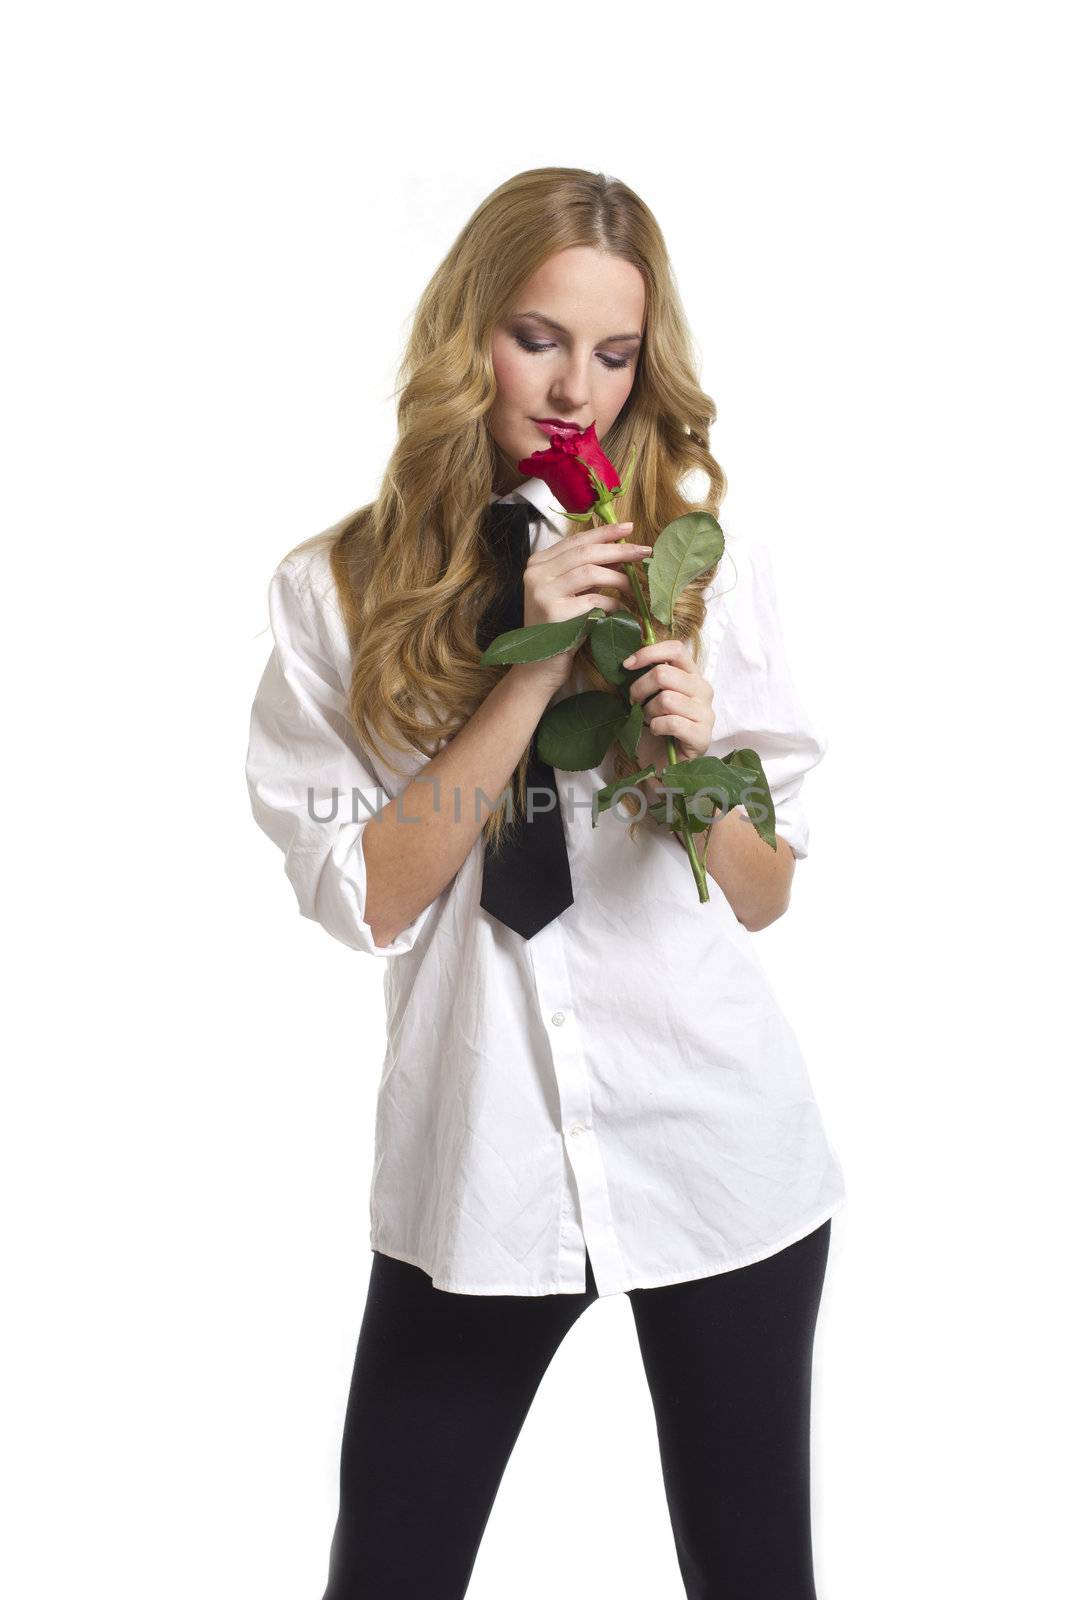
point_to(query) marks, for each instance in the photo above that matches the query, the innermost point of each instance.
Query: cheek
(512, 373)
(614, 390)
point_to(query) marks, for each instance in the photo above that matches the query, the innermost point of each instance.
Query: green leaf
(723, 781)
(613, 637)
(536, 643)
(605, 796)
(576, 733)
(630, 732)
(757, 797)
(678, 819)
(695, 813)
(738, 779)
(686, 547)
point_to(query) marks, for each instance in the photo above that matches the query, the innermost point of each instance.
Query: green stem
(606, 512)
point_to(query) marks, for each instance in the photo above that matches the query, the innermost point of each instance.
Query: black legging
(443, 1382)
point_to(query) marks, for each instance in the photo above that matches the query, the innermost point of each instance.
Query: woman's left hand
(676, 696)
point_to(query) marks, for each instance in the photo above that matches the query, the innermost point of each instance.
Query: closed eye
(613, 362)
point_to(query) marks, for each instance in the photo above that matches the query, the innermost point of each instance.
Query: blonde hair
(413, 570)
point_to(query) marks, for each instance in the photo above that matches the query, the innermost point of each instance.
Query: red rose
(565, 467)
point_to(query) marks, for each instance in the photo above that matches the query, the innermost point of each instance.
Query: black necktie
(526, 881)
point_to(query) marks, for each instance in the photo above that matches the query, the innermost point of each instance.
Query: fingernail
(629, 661)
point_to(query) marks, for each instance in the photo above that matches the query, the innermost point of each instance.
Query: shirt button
(576, 1130)
(559, 1018)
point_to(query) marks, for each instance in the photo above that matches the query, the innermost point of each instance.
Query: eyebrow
(557, 327)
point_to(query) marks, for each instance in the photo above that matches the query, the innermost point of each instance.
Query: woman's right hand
(569, 578)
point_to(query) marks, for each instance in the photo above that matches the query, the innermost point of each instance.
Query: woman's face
(567, 350)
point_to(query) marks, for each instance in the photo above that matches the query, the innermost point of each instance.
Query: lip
(554, 425)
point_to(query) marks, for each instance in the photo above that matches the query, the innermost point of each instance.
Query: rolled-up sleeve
(757, 705)
(313, 787)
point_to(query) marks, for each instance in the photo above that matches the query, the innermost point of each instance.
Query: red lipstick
(555, 425)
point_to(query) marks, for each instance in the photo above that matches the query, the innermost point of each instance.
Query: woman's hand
(569, 578)
(676, 696)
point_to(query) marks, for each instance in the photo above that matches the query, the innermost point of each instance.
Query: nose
(570, 400)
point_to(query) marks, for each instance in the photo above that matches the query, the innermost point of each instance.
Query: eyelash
(614, 364)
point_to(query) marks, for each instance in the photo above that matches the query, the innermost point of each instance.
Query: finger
(609, 534)
(612, 532)
(663, 650)
(605, 575)
(568, 555)
(672, 679)
(671, 702)
(673, 723)
(572, 579)
(663, 704)
(665, 675)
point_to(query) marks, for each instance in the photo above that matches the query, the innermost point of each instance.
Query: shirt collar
(540, 496)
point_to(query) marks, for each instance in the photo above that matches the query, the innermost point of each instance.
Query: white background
(219, 219)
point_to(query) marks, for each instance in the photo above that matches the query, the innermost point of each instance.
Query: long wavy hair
(413, 569)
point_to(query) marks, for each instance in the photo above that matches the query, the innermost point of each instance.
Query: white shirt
(625, 1080)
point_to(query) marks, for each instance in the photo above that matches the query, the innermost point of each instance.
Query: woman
(589, 1087)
